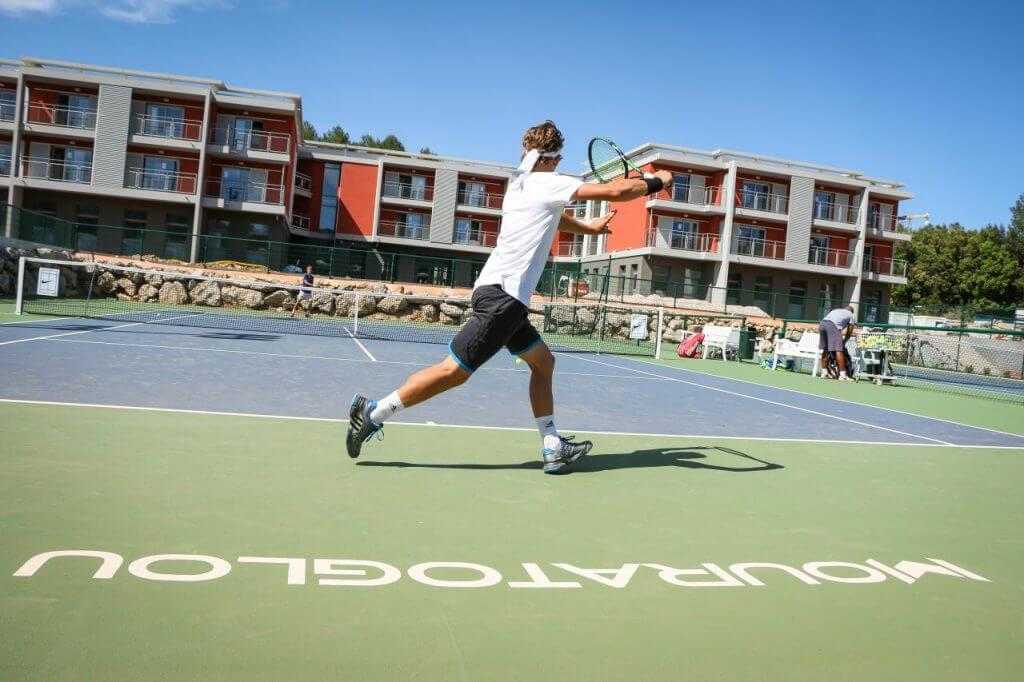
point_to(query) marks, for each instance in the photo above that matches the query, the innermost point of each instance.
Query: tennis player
(532, 213)
(305, 291)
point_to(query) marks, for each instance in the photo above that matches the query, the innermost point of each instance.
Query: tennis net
(135, 295)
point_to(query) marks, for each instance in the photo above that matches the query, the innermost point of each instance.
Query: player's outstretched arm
(623, 189)
(596, 226)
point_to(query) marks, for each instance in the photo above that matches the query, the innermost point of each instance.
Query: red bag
(688, 348)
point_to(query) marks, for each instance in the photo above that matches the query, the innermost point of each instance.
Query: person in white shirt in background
(833, 333)
(532, 214)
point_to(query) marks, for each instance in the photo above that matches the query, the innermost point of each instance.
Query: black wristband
(654, 185)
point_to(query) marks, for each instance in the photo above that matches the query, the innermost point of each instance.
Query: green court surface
(145, 483)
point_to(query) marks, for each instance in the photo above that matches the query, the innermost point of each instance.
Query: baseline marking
(338, 420)
(765, 400)
(86, 331)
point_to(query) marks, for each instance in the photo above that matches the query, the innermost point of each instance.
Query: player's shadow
(694, 457)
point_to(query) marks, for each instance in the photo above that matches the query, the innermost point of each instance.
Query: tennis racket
(609, 163)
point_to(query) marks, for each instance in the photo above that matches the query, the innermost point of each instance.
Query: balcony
(39, 168)
(7, 110)
(833, 258)
(303, 184)
(5, 164)
(252, 141)
(695, 196)
(845, 214)
(766, 202)
(888, 225)
(577, 210)
(300, 222)
(404, 229)
(475, 238)
(160, 181)
(887, 267)
(480, 199)
(570, 249)
(759, 248)
(406, 190)
(61, 117)
(683, 241)
(241, 191)
(167, 128)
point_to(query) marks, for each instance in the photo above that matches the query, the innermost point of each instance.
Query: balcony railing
(762, 201)
(885, 266)
(253, 140)
(577, 210)
(303, 182)
(836, 258)
(63, 117)
(169, 128)
(404, 229)
(5, 164)
(697, 196)
(887, 222)
(837, 213)
(480, 199)
(684, 241)
(237, 191)
(161, 181)
(759, 248)
(42, 168)
(570, 249)
(405, 190)
(475, 238)
(7, 111)
(300, 221)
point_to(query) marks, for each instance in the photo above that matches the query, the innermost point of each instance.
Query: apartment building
(222, 172)
(735, 228)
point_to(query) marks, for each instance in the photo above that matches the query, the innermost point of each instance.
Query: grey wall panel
(801, 211)
(442, 216)
(113, 117)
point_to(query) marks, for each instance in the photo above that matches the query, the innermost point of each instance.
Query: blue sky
(928, 93)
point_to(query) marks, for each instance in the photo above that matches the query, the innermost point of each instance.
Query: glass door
(160, 173)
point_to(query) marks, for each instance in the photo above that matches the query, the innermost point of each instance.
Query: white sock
(387, 407)
(548, 432)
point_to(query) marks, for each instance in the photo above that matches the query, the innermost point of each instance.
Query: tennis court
(873, 533)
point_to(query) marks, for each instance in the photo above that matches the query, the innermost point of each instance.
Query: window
(684, 235)
(734, 288)
(823, 203)
(763, 292)
(871, 307)
(8, 102)
(164, 120)
(693, 282)
(70, 164)
(75, 111)
(755, 195)
(406, 186)
(257, 250)
(176, 241)
(160, 173)
(468, 231)
(5, 158)
(213, 247)
(660, 282)
(133, 235)
(824, 300)
(470, 193)
(680, 187)
(329, 197)
(869, 258)
(87, 220)
(797, 300)
(634, 277)
(819, 250)
(412, 226)
(244, 134)
(750, 240)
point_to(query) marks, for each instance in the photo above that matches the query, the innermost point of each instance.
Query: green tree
(427, 150)
(1015, 245)
(390, 142)
(308, 131)
(336, 135)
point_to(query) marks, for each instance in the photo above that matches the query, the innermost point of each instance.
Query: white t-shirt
(530, 215)
(841, 318)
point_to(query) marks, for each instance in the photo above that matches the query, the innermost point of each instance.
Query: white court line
(39, 319)
(360, 344)
(765, 400)
(95, 329)
(334, 420)
(827, 397)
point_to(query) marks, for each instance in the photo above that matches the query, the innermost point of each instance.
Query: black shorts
(497, 320)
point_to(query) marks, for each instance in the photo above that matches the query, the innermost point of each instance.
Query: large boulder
(147, 292)
(392, 305)
(365, 306)
(106, 282)
(278, 299)
(154, 279)
(172, 293)
(453, 309)
(241, 297)
(322, 302)
(126, 285)
(205, 292)
(429, 312)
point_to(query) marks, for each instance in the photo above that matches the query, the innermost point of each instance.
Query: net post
(657, 339)
(18, 296)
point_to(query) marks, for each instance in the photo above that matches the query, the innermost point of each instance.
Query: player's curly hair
(545, 137)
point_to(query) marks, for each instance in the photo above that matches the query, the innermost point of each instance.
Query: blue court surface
(133, 364)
